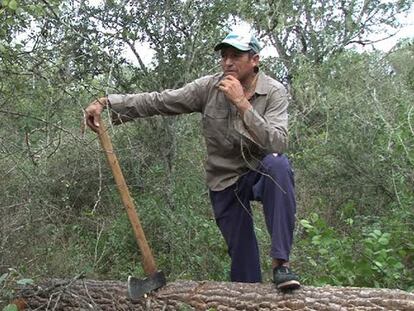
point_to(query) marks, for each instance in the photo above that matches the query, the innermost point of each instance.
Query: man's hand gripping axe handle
(155, 279)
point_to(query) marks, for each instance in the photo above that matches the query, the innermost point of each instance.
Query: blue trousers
(272, 183)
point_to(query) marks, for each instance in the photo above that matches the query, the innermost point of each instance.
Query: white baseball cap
(241, 41)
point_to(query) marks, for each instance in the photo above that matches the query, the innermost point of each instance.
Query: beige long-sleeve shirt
(231, 149)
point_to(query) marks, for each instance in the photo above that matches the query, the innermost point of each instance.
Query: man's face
(237, 63)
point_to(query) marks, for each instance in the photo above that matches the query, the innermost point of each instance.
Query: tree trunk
(190, 295)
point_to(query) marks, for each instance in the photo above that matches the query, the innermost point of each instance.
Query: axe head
(137, 288)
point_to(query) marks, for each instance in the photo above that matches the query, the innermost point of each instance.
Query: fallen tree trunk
(190, 295)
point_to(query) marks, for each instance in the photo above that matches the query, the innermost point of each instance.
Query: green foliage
(11, 4)
(9, 282)
(351, 118)
(402, 61)
(368, 258)
(317, 30)
(352, 148)
(11, 307)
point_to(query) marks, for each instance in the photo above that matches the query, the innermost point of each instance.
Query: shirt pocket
(216, 112)
(216, 126)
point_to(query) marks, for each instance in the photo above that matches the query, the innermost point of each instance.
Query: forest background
(351, 139)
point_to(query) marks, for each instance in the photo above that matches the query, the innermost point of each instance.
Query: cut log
(191, 295)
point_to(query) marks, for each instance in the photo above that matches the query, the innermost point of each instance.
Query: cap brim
(226, 44)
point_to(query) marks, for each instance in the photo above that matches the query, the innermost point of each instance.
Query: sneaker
(285, 279)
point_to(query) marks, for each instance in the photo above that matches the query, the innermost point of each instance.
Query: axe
(155, 279)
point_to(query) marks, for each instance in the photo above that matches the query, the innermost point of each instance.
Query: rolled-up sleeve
(169, 102)
(268, 131)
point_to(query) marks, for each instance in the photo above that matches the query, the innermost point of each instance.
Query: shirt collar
(262, 88)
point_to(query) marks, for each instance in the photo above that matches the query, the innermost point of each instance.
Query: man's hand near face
(233, 90)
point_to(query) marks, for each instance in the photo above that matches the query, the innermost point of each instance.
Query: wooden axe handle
(148, 261)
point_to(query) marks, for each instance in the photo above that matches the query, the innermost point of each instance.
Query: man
(245, 128)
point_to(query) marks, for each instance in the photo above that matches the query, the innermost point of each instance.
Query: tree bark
(191, 295)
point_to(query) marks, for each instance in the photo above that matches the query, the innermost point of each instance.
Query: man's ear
(256, 59)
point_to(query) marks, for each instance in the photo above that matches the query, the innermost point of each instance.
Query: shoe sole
(292, 284)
